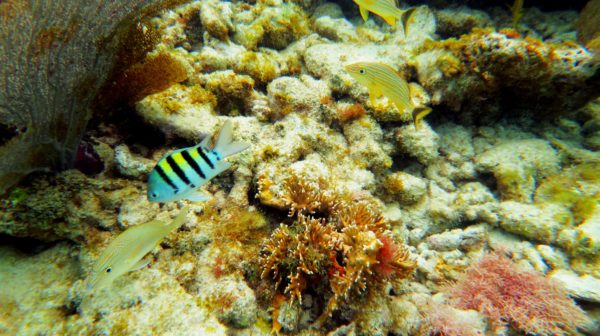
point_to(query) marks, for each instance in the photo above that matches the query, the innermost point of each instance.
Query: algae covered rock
(517, 165)
(406, 187)
(176, 110)
(421, 144)
(530, 221)
(64, 207)
(524, 69)
(238, 301)
(588, 26)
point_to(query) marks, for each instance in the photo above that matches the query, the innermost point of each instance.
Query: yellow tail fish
(387, 9)
(125, 252)
(381, 79)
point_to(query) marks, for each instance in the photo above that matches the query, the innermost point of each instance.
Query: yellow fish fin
(374, 93)
(363, 12)
(391, 20)
(407, 18)
(418, 114)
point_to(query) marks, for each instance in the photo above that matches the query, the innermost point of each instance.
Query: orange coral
(301, 255)
(346, 113)
(393, 260)
(351, 250)
(304, 196)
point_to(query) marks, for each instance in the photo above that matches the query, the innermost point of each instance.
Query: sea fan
(55, 57)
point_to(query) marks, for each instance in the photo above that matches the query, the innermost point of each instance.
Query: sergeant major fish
(387, 9)
(381, 79)
(125, 252)
(178, 174)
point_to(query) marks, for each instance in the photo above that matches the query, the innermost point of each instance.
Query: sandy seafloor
(299, 235)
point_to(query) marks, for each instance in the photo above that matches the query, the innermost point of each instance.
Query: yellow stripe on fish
(386, 9)
(381, 79)
(179, 173)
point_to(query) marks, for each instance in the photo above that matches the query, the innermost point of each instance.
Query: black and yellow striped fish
(179, 174)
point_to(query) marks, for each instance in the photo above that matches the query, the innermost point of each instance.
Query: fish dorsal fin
(180, 219)
(204, 142)
(364, 13)
(225, 146)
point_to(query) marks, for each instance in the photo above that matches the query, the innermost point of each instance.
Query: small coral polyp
(350, 251)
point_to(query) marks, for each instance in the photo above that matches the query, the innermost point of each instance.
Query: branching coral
(350, 251)
(508, 295)
(297, 256)
(303, 196)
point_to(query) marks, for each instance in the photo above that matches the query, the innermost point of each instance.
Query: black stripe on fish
(205, 157)
(190, 160)
(165, 178)
(177, 170)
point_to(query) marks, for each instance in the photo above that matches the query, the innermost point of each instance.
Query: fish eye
(362, 71)
(154, 195)
(108, 270)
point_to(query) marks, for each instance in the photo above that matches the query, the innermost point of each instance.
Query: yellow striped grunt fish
(387, 9)
(125, 252)
(381, 79)
(179, 174)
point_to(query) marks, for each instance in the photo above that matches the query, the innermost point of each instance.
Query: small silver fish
(125, 252)
(180, 173)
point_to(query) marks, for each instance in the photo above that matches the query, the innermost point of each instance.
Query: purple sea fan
(510, 295)
(55, 57)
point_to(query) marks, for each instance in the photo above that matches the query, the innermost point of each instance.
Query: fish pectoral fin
(197, 196)
(374, 93)
(140, 264)
(363, 12)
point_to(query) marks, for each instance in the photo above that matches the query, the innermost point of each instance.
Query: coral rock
(530, 221)
(421, 144)
(517, 165)
(407, 188)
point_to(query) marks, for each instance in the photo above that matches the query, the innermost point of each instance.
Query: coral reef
(488, 73)
(342, 217)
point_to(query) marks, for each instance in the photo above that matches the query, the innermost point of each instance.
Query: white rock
(584, 287)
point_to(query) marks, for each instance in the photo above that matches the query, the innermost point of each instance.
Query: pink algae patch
(510, 295)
